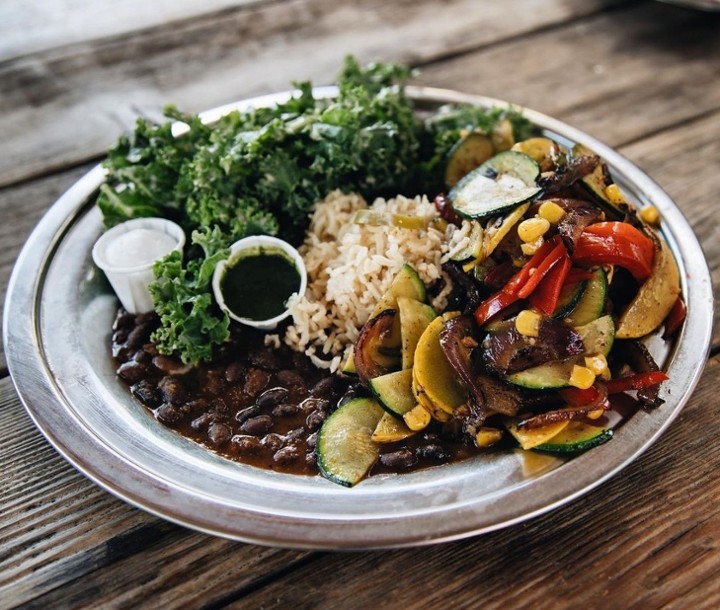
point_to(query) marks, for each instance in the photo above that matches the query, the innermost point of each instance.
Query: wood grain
(642, 76)
(64, 106)
(31, 26)
(619, 76)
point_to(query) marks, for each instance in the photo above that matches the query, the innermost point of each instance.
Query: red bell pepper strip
(576, 397)
(521, 278)
(576, 275)
(675, 318)
(542, 269)
(510, 293)
(616, 243)
(494, 305)
(638, 381)
(546, 295)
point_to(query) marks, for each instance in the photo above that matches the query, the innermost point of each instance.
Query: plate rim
(35, 383)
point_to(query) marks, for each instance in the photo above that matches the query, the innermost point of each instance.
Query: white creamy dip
(138, 247)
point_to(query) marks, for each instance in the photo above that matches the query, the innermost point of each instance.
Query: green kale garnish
(191, 322)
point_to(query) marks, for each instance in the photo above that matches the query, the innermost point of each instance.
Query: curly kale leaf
(144, 167)
(191, 323)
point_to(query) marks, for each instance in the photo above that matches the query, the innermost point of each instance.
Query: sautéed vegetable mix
(473, 286)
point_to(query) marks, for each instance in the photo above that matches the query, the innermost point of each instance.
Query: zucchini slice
(569, 298)
(414, 319)
(345, 450)
(529, 438)
(406, 283)
(470, 152)
(576, 437)
(394, 392)
(391, 430)
(498, 185)
(592, 303)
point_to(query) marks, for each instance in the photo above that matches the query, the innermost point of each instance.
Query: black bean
(247, 413)
(138, 336)
(132, 371)
(255, 382)
(234, 372)
(142, 357)
(315, 419)
(146, 391)
(168, 365)
(123, 319)
(273, 441)
(245, 443)
(173, 389)
(287, 455)
(295, 434)
(264, 359)
(219, 434)
(120, 336)
(324, 387)
(202, 422)
(354, 391)
(271, 397)
(258, 425)
(314, 404)
(198, 405)
(432, 452)
(311, 440)
(168, 413)
(288, 377)
(285, 409)
(151, 350)
(214, 384)
(398, 460)
(311, 459)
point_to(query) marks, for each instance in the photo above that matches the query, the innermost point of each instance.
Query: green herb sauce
(258, 284)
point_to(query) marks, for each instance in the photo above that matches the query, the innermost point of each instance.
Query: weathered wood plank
(31, 26)
(65, 106)
(58, 529)
(648, 538)
(619, 76)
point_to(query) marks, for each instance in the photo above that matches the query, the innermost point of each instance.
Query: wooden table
(644, 77)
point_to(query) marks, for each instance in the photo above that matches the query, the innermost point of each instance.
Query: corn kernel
(417, 418)
(531, 248)
(614, 194)
(551, 211)
(487, 436)
(532, 228)
(597, 363)
(596, 414)
(581, 377)
(650, 215)
(528, 323)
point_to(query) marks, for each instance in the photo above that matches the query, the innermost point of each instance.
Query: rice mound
(351, 266)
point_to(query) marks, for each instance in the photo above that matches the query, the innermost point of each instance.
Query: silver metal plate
(57, 324)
